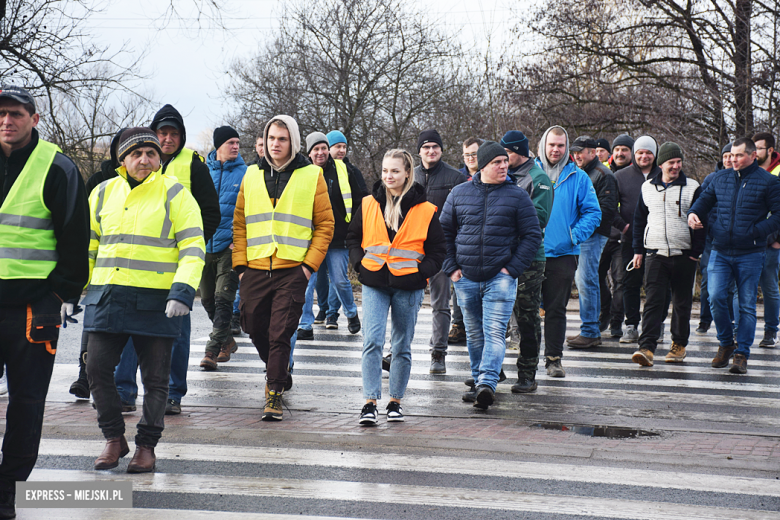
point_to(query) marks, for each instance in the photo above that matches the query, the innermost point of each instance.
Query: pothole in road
(610, 432)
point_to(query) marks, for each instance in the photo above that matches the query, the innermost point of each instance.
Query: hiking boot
(273, 406)
(80, 387)
(457, 334)
(386, 362)
(332, 322)
(438, 365)
(554, 368)
(235, 325)
(353, 324)
(229, 347)
(394, 412)
(501, 378)
(740, 364)
(368, 415)
(721, 359)
(676, 353)
(616, 332)
(172, 407)
(305, 334)
(603, 323)
(484, 397)
(631, 335)
(524, 385)
(769, 341)
(115, 449)
(320, 318)
(703, 328)
(209, 362)
(580, 341)
(643, 357)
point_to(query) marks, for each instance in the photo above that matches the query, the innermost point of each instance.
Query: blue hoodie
(227, 179)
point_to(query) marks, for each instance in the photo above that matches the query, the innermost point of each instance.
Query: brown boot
(228, 348)
(143, 461)
(209, 362)
(740, 364)
(721, 359)
(115, 449)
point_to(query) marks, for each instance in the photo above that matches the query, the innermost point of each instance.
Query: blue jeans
(323, 288)
(307, 318)
(236, 312)
(770, 290)
(487, 307)
(340, 289)
(403, 307)
(746, 270)
(706, 312)
(125, 374)
(587, 279)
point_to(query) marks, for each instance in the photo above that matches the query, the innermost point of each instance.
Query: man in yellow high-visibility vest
(44, 236)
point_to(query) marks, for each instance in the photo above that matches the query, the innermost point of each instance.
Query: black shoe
(320, 318)
(484, 397)
(288, 383)
(235, 325)
(471, 395)
(305, 335)
(353, 324)
(604, 324)
(524, 385)
(386, 362)
(501, 378)
(703, 328)
(80, 387)
(7, 504)
(769, 341)
(172, 407)
(438, 364)
(368, 415)
(394, 412)
(332, 322)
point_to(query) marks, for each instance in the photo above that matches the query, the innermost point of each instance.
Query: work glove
(176, 308)
(66, 313)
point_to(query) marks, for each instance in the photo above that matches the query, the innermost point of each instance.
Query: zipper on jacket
(734, 208)
(482, 242)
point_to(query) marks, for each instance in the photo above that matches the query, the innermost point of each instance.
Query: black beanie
(429, 136)
(669, 150)
(222, 134)
(623, 140)
(489, 151)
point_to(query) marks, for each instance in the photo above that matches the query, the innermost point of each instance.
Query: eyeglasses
(757, 148)
(470, 155)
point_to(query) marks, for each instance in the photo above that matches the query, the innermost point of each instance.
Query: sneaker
(554, 368)
(235, 325)
(229, 347)
(305, 335)
(484, 397)
(332, 322)
(172, 407)
(676, 354)
(631, 335)
(353, 324)
(580, 341)
(273, 406)
(643, 357)
(501, 378)
(769, 341)
(616, 332)
(368, 415)
(703, 328)
(394, 412)
(320, 318)
(721, 359)
(438, 365)
(457, 334)
(740, 364)
(386, 362)
(79, 388)
(209, 362)
(524, 385)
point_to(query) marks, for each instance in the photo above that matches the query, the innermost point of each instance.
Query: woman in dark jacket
(395, 244)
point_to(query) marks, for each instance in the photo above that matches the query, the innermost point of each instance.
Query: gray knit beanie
(646, 143)
(315, 138)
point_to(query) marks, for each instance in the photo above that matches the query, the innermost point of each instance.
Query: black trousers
(556, 291)
(632, 283)
(612, 299)
(674, 274)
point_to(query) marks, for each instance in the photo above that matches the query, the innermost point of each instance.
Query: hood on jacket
(295, 140)
(774, 160)
(553, 171)
(113, 149)
(168, 112)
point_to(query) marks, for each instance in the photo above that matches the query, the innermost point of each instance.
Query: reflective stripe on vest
(285, 229)
(406, 252)
(28, 247)
(346, 192)
(181, 167)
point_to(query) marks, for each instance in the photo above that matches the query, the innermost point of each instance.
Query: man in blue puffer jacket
(492, 234)
(219, 283)
(574, 217)
(741, 198)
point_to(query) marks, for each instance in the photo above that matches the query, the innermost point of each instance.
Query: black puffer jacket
(607, 192)
(629, 181)
(438, 182)
(434, 245)
(107, 167)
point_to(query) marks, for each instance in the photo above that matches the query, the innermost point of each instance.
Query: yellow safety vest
(776, 170)
(346, 192)
(28, 247)
(285, 229)
(150, 236)
(180, 167)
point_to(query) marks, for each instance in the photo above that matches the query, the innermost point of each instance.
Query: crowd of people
(510, 232)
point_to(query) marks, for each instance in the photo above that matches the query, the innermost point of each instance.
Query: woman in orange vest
(395, 244)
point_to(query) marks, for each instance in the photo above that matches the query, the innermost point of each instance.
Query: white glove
(176, 308)
(65, 311)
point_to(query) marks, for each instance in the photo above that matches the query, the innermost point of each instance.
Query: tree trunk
(743, 92)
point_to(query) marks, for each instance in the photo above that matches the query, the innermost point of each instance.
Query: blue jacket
(740, 202)
(227, 179)
(488, 227)
(575, 214)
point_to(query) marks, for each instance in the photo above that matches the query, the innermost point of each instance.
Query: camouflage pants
(529, 324)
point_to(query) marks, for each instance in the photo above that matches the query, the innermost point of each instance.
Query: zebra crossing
(374, 473)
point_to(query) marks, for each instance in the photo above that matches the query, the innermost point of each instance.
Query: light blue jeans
(340, 290)
(403, 307)
(487, 307)
(307, 318)
(587, 279)
(769, 288)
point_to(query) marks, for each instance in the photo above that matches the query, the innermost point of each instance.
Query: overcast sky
(186, 65)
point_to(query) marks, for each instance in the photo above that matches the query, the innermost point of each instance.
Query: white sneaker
(631, 335)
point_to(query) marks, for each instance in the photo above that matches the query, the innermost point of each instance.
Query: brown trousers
(271, 306)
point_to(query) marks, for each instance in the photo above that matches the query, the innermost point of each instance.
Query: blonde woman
(395, 244)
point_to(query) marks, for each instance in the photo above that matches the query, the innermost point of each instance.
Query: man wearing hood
(630, 180)
(191, 171)
(574, 217)
(282, 227)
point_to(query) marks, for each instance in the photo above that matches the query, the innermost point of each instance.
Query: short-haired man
(259, 148)
(742, 198)
(470, 147)
(219, 283)
(44, 235)
(603, 151)
(672, 249)
(438, 178)
(622, 152)
(574, 217)
(766, 155)
(276, 256)
(587, 276)
(484, 265)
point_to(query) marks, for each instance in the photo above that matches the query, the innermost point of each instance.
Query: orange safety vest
(406, 252)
